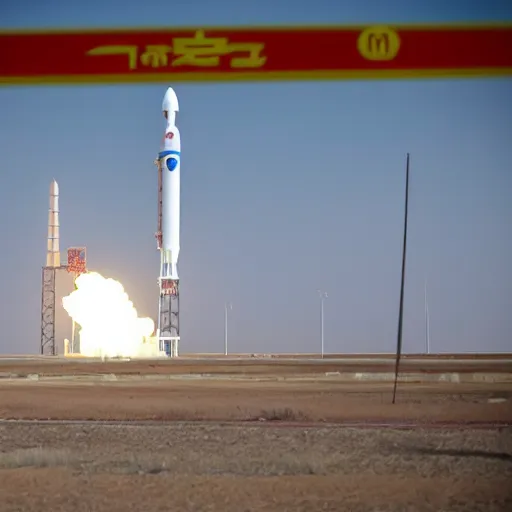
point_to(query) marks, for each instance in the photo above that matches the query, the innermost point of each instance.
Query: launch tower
(48, 300)
(55, 281)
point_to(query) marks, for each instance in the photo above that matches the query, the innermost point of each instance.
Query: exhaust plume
(110, 326)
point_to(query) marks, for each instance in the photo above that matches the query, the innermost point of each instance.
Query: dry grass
(38, 457)
(271, 469)
(287, 464)
(284, 414)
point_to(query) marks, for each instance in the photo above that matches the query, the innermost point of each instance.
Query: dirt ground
(225, 400)
(252, 367)
(288, 455)
(232, 469)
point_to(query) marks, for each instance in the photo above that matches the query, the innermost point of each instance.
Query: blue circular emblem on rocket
(171, 163)
(173, 159)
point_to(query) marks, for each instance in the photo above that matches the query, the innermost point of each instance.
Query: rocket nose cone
(54, 188)
(170, 102)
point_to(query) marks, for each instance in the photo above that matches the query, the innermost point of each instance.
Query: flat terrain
(233, 469)
(252, 435)
(279, 365)
(225, 400)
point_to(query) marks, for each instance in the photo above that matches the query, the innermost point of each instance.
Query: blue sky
(286, 188)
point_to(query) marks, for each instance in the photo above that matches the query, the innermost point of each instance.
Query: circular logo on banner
(378, 43)
(169, 135)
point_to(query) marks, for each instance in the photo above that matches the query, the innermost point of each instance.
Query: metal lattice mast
(48, 312)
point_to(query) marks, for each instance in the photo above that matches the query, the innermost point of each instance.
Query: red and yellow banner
(270, 53)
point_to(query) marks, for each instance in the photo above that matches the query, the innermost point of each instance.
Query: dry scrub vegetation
(263, 466)
(235, 400)
(258, 468)
(35, 457)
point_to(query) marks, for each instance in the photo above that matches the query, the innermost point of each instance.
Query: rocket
(53, 251)
(168, 233)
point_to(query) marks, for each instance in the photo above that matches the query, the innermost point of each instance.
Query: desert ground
(278, 365)
(230, 400)
(232, 469)
(253, 436)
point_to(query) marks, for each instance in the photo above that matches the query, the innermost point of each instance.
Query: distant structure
(77, 264)
(55, 281)
(53, 250)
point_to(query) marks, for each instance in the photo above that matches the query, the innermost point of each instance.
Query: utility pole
(323, 296)
(227, 306)
(427, 322)
(402, 282)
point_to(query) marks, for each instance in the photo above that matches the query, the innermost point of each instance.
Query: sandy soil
(267, 467)
(251, 400)
(232, 469)
(253, 367)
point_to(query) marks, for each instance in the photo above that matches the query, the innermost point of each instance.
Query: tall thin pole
(322, 323)
(427, 322)
(73, 323)
(402, 283)
(225, 329)
(323, 296)
(226, 306)
(72, 336)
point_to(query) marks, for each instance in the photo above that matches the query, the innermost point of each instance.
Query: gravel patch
(53, 468)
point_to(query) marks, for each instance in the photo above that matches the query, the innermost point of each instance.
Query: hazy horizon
(278, 200)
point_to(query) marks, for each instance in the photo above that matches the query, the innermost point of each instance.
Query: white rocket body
(53, 251)
(169, 160)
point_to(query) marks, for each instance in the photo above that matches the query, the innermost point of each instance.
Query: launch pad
(169, 316)
(62, 337)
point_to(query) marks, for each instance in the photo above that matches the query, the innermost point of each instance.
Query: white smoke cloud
(110, 326)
